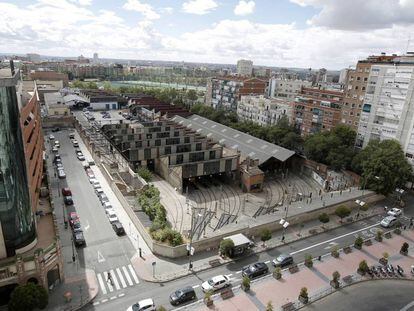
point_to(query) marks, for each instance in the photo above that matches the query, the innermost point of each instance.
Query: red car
(73, 217)
(66, 192)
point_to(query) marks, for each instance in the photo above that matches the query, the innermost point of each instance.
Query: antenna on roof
(408, 44)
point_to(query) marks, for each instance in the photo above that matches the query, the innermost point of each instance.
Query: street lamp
(73, 250)
(190, 249)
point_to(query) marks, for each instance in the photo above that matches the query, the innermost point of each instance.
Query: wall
(61, 121)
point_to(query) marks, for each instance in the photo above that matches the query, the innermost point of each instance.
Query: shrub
(358, 242)
(335, 276)
(304, 293)
(378, 237)
(226, 247)
(365, 207)
(145, 173)
(265, 235)
(363, 267)
(385, 255)
(277, 273)
(28, 297)
(246, 283)
(269, 306)
(334, 251)
(342, 212)
(404, 248)
(161, 308)
(207, 295)
(308, 260)
(324, 218)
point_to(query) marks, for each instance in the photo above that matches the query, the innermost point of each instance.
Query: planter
(361, 272)
(404, 253)
(378, 239)
(383, 261)
(335, 254)
(304, 300)
(358, 246)
(309, 264)
(293, 269)
(208, 302)
(368, 242)
(277, 276)
(347, 250)
(397, 231)
(334, 284)
(388, 235)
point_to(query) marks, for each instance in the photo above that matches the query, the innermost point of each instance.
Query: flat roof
(249, 146)
(239, 239)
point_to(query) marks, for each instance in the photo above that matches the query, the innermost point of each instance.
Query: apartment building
(286, 88)
(388, 106)
(225, 92)
(262, 110)
(355, 87)
(102, 100)
(244, 67)
(50, 76)
(316, 110)
(175, 152)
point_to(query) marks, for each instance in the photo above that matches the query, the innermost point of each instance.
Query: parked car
(215, 283)
(79, 239)
(255, 270)
(182, 295)
(57, 157)
(71, 135)
(107, 205)
(75, 143)
(283, 260)
(68, 200)
(76, 226)
(143, 305)
(112, 216)
(73, 216)
(85, 165)
(61, 174)
(51, 137)
(99, 191)
(394, 212)
(56, 129)
(93, 180)
(55, 149)
(57, 144)
(91, 163)
(103, 198)
(59, 166)
(388, 221)
(96, 185)
(81, 157)
(66, 191)
(118, 228)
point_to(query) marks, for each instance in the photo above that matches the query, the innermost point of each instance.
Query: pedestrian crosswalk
(117, 279)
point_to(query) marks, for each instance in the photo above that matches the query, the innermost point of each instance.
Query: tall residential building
(317, 110)
(388, 106)
(95, 58)
(262, 110)
(355, 87)
(286, 88)
(225, 92)
(244, 67)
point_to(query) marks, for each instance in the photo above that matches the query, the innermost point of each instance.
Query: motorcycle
(375, 271)
(390, 270)
(383, 271)
(400, 270)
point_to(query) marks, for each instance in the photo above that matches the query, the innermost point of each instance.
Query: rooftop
(248, 145)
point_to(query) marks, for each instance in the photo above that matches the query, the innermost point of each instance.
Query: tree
(324, 218)
(28, 297)
(145, 173)
(383, 166)
(226, 247)
(358, 242)
(265, 235)
(342, 212)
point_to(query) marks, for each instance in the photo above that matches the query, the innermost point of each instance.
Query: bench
(347, 279)
(214, 262)
(288, 306)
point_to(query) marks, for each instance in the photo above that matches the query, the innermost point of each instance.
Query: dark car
(79, 239)
(118, 228)
(57, 157)
(182, 295)
(76, 226)
(255, 270)
(283, 260)
(68, 200)
(56, 129)
(66, 191)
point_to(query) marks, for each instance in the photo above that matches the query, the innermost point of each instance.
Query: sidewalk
(315, 279)
(168, 269)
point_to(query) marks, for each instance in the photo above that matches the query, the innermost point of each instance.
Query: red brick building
(316, 110)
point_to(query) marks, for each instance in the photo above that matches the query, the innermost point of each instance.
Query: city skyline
(288, 33)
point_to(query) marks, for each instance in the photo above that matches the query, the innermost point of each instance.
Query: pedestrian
(110, 278)
(331, 194)
(340, 192)
(55, 174)
(283, 239)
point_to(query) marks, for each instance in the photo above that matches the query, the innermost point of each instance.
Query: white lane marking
(127, 276)
(229, 275)
(121, 295)
(407, 307)
(115, 280)
(121, 278)
(134, 276)
(239, 272)
(104, 300)
(331, 245)
(101, 284)
(96, 303)
(266, 262)
(100, 257)
(87, 226)
(108, 283)
(339, 237)
(112, 298)
(196, 286)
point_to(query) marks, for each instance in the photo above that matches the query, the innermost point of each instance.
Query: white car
(112, 216)
(61, 174)
(388, 221)
(216, 283)
(54, 149)
(143, 305)
(51, 137)
(59, 166)
(81, 157)
(57, 144)
(107, 206)
(96, 185)
(93, 180)
(110, 210)
(394, 212)
(99, 191)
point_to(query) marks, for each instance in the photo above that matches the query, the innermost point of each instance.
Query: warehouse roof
(248, 145)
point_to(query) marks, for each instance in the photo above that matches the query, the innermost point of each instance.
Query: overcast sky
(291, 33)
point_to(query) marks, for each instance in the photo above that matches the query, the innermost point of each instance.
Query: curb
(251, 254)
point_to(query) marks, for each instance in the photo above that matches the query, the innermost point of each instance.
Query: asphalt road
(369, 296)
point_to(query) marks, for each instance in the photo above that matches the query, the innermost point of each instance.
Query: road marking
(108, 283)
(100, 257)
(121, 278)
(127, 276)
(266, 262)
(331, 245)
(104, 300)
(331, 240)
(134, 276)
(87, 226)
(115, 280)
(102, 284)
(239, 272)
(121, 295)
(196, 286)
(229, 275)
(96, 303)
(112, 298)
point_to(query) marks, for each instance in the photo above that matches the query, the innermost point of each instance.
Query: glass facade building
(16, 216)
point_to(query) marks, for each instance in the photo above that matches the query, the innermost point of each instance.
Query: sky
(333, 34)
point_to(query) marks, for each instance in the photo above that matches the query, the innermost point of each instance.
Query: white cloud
(199, 7)
(82, 2)
(360, 15)
(143, 8)
(244, 8)
(167, 10)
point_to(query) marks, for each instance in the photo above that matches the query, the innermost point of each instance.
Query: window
(147, 153)
(158, 142)
(198, 146)
(212, 154)
(180, 158)
(358, 78)
(167, 150)
(186, 140)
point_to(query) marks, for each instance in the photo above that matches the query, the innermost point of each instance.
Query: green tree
(342, 212)
(226, 247)
(192, 95)
(265, 235)
(324, 218)
(383, 166)
(145, 173)
(28, 297)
